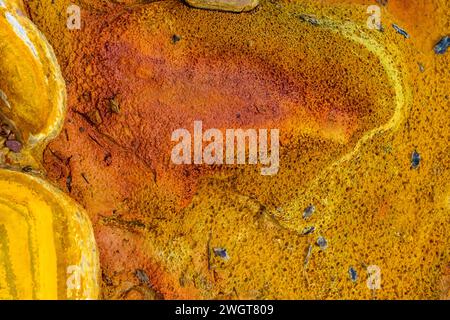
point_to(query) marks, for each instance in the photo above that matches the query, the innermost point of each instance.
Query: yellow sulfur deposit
(32, 90)
(47, 250)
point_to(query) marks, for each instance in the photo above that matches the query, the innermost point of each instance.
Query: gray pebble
(14, 145)
(400, 31)
(322, 243)
(308, 212)
(352, 274)
(442, 46)
(310, 19)
(222, 253)
(142, 276)
(415, 160)
(308, 230)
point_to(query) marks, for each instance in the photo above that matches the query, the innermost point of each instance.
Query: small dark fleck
(353, 274)
(415, 160)
(442, 46)
(107, 280)
(400, 31)
(5, 130)
(175, 38)
(382, 2)
(322, 243)
(142, 276)
(308, 230)
(108, 159)
(310, 19)
(86, 96)
(308, 212)
(221, 252)
(14, 145)
(114, 105)
(69, 183)
(83, 175)
(27, 169)
(81, 129)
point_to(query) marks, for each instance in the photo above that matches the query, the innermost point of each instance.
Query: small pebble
(114, 105)
(27, 169)
(108, 159)
(322, 243)
(13, 145)
(308, 230)
(4, 130)
(175, 38)
(69, 183)
(310, 19)
(225, 5)
(142, 276)
(415, 160)
(308, 212)
(222, 253)
(94, 117)
(442, 46)
(400, 31)
(12, 136)
(353, 274)
(86, 96)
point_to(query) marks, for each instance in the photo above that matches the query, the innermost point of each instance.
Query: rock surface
(225, 5)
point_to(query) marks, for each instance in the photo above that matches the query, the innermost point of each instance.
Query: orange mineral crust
(356, 108)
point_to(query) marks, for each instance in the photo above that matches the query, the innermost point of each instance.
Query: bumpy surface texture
(352, 105)
(225, 5)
